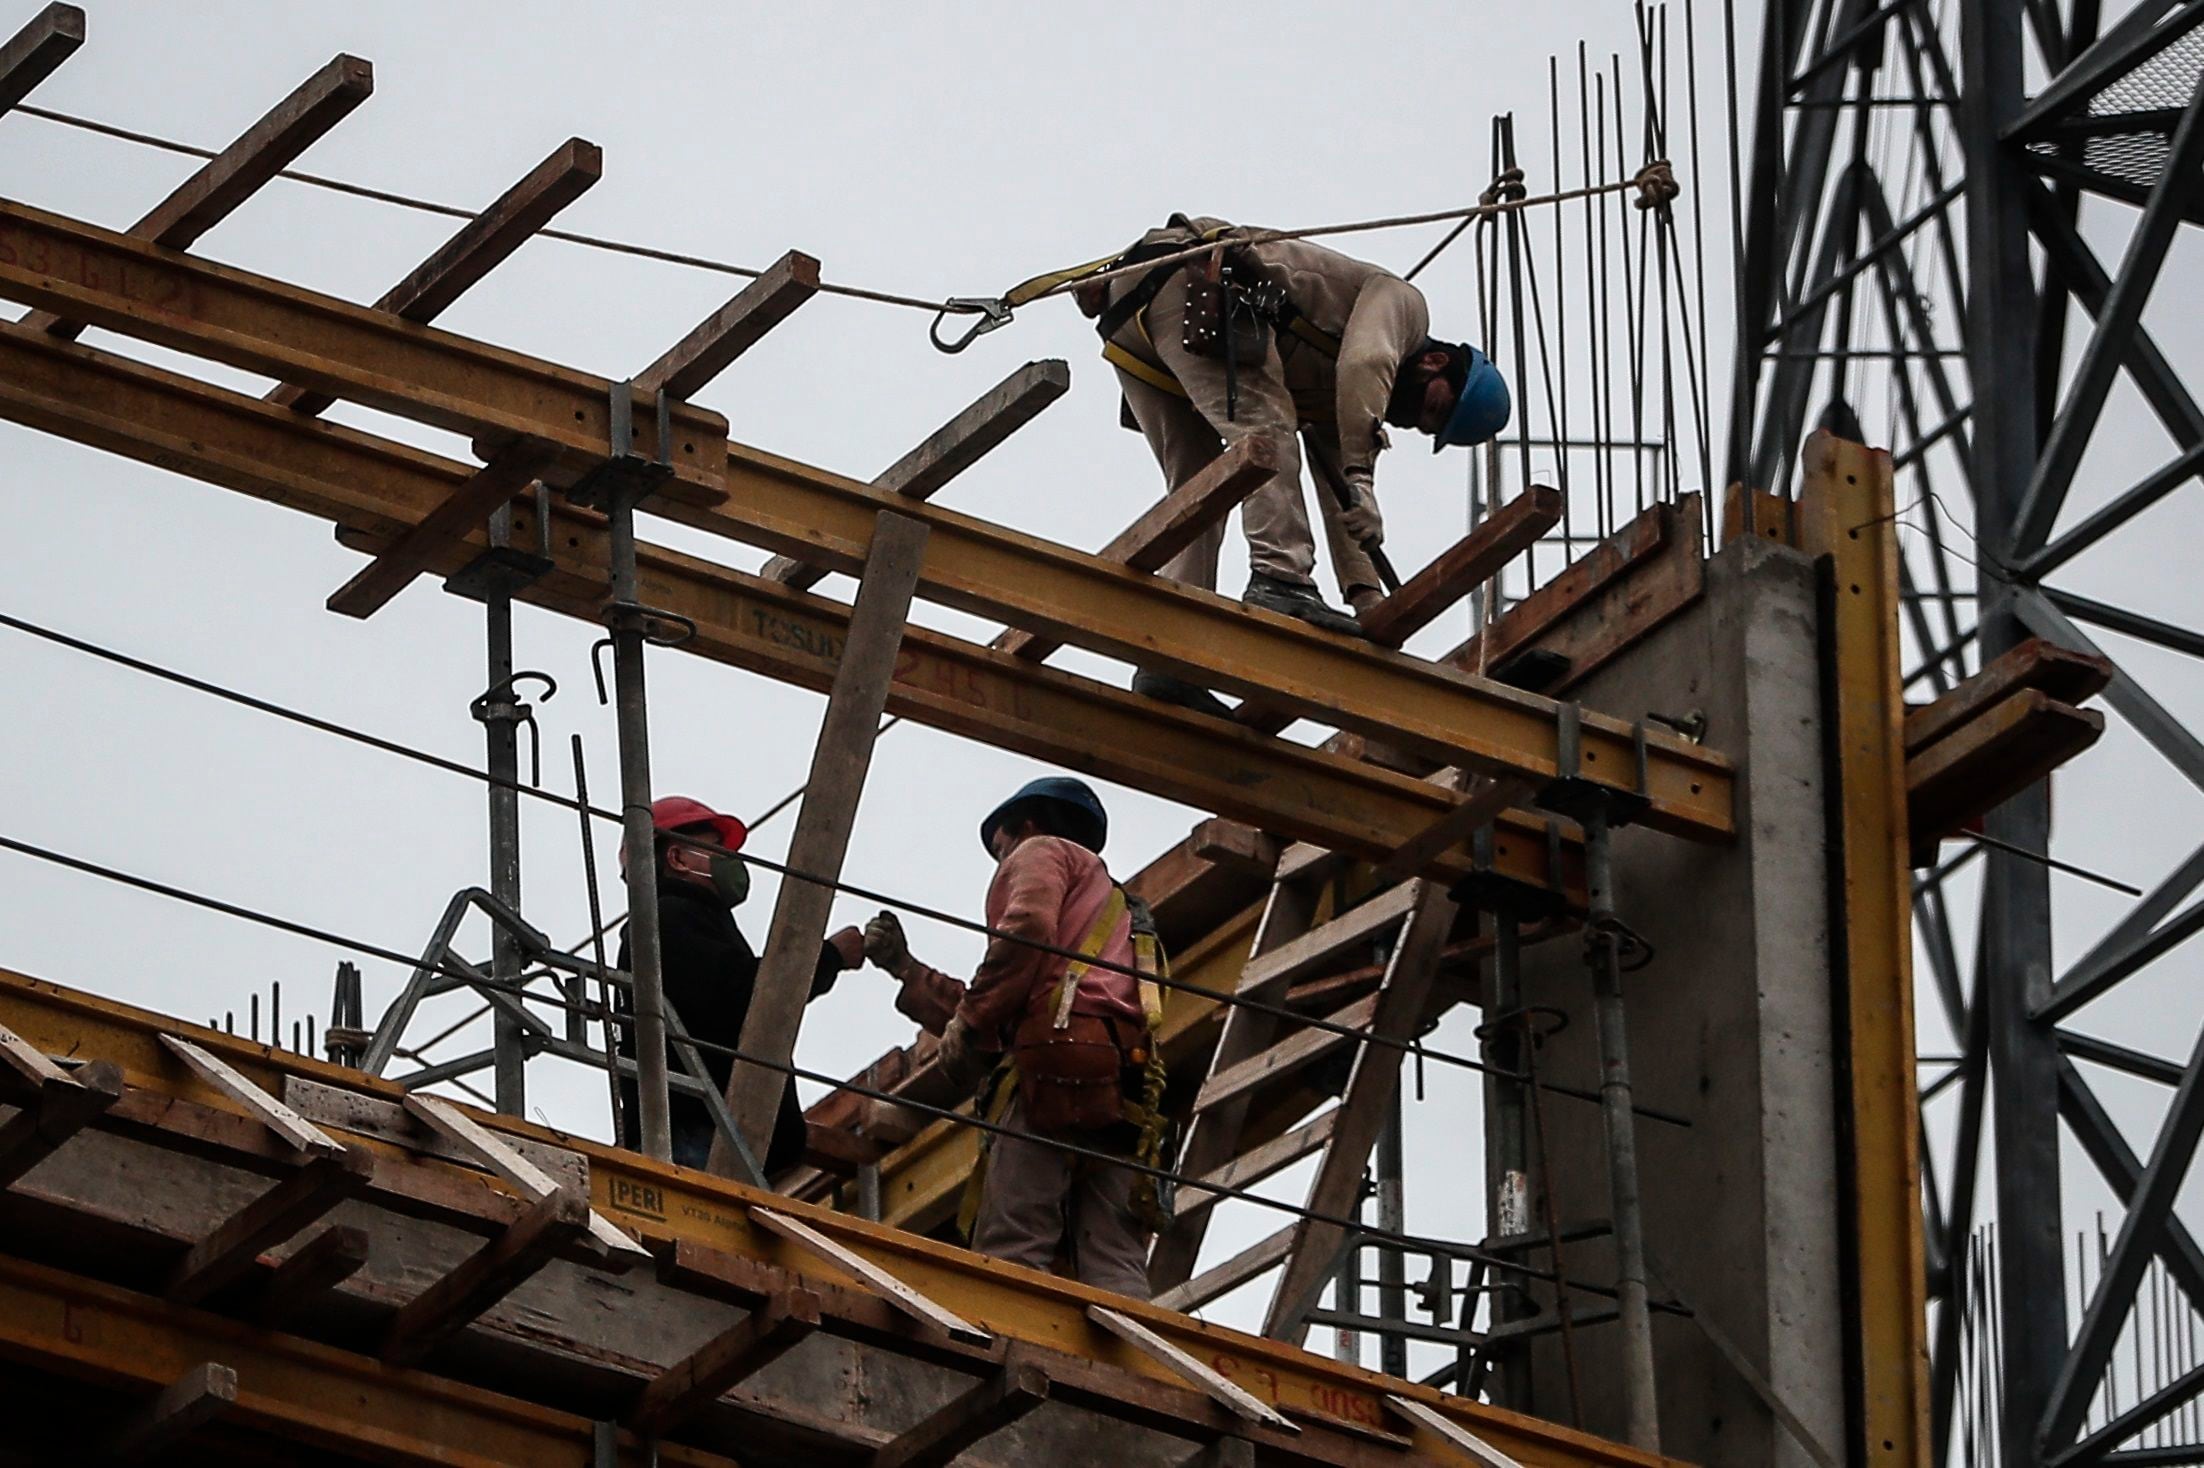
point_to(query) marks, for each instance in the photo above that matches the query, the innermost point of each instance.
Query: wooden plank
(24, 1065)
(1230, 1275)
(714, 343)
(1171, 524)
(1485, 803)
(389, 1121)
(295, 1204)
(1317, 948)
(1373, 1090)
(952, 448)
(1237, 845)
(234, 175)
(1848, 508)
(1463, 567)
(894, 1291)
(150, 1432)
(1146, 1341)
(61, 1109)
(1989, 759)
(373, 487)
(944, 1434)
(1447, 1430)
(485, 1277)
(46, 40)
(1225, 1452)
(370, 357)
(2065, 675)
(271, 1113)
(838, 1150)
(1533, 620)
(301, 1284)
(777, 1325)
(495, 1154)
(481, 244)
(824, 823)
(1279, 1152)
(508, 473)
(52, 1320)
(1213, 1138)
(1303, 1048)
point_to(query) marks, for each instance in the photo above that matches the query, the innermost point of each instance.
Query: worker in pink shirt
(1066, 1046)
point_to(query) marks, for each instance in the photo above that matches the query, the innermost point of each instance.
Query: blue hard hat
(1482, 409)
(1084, 820)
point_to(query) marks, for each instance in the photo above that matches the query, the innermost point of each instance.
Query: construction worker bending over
(1065, 1047)
(710, 974)
(1277, 339)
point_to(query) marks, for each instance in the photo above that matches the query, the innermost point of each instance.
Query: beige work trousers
(1185, 434)
(1036, 1197)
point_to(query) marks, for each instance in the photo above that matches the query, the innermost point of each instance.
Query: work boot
(1164, 688)
(1297, 599)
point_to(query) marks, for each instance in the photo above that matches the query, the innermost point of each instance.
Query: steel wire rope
(1277, 1011)
(888, 298)
(485, 984)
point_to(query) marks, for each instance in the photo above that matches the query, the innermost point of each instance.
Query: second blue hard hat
(1082, 818)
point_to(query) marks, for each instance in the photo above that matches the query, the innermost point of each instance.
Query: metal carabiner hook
(991, 311)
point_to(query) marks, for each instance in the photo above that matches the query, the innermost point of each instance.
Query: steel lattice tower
(1920, 171)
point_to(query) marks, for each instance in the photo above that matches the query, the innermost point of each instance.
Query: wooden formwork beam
(714, 343)
(552, 1223)
(150, 1432)
(310, 1395)
(227, 180)
(779, 1323)
(48, 1116)
(295, 1204)
(301, 1284)
(480, 246)
(374, 489)
(1463, 567)
(953, 448)
(138, 289)
(1173, 523)
(259, 324)
(716, 1241)
(46, 40)
(943, 1435)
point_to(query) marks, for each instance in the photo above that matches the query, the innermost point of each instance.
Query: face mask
(731, 879)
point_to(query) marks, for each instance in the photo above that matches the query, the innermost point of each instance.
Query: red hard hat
(679, 812)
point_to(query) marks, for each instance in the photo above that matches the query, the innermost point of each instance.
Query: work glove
(961, 1059)
(885, 944)
(1362, 522)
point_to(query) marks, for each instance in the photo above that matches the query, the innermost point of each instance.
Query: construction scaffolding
(1701, 1133)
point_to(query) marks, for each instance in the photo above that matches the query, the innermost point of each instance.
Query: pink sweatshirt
(1047, 889)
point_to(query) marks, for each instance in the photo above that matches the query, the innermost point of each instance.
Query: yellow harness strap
(1090, 949)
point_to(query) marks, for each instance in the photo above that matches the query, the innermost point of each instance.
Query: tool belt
(1233, 306)
(1097, 1080)
(1072, 1079)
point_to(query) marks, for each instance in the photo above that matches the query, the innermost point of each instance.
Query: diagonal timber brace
(826, 519)
(375, 489)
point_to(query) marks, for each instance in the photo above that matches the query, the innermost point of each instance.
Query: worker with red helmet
(1066, 1046)
(711, 973)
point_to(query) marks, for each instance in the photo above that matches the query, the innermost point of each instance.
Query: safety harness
(1143, 1112)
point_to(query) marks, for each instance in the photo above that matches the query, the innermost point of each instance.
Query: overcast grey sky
(926, 148)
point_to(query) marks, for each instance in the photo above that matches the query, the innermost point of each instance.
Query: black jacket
(710, 976)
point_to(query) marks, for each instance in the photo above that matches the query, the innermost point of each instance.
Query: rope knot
(1657, 186)
(1507, 188)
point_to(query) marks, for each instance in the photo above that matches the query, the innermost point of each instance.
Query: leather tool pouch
(1071, 1080)
(1219, 322)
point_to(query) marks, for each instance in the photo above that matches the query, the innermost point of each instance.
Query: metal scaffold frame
(1958, 289)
